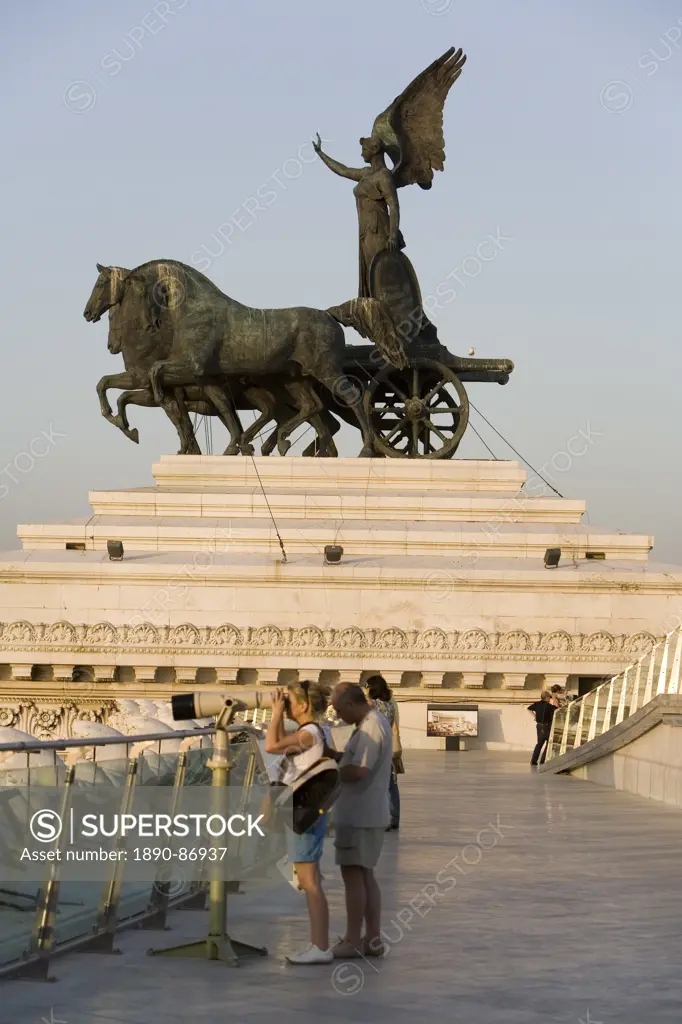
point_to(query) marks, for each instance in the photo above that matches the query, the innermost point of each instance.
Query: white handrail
(625, 701)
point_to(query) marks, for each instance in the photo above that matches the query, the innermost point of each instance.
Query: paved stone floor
(550, 900)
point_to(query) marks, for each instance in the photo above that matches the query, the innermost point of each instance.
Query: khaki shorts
(358, 847)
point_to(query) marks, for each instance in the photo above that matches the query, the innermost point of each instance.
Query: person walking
(543, 712)
(381, 697)
(304, 703)
(361, 816)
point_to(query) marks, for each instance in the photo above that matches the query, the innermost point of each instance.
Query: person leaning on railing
(560, 694)
(543, 712)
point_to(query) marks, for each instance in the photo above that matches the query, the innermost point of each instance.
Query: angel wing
(412, 127)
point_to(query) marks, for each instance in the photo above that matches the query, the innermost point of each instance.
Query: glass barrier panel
(573, 714)
(673, 681)
(670, 684)
(628, 700)
(642, 689)
(658, 652)
(601, 698)
(588, 702)
(157, 765)
(554, 749)
(197, 772)
(18, 902)
(77, 909)
(241, 752)
(103, 766)
(135, 897)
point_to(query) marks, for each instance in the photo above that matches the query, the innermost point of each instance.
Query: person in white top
(305, 703)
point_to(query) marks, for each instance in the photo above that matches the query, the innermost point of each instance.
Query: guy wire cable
(514, 450)
(274, 523)
(284, 554)
(484, 443)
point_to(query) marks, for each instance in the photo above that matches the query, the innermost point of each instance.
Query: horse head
(107, 292)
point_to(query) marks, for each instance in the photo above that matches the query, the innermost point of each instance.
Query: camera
(209, 703)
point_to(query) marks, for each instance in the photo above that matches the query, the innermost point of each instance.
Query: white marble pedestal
(441, 587)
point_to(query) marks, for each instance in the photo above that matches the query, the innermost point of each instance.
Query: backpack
(314, 791)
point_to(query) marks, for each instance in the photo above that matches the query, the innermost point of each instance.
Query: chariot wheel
(417, 413)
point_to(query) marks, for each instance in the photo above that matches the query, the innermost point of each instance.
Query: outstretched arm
(354, 173)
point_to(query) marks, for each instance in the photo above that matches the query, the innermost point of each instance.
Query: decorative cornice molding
(103, 638)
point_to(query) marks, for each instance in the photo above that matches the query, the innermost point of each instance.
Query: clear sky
(133, 131)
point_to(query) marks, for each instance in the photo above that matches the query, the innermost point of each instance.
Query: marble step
(297, 473)
(369, 505)
(471, 541)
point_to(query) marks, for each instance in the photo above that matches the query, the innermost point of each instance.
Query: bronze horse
(206, 339)
(139, 349)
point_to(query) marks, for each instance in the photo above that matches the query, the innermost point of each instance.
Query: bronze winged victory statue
(410, 132)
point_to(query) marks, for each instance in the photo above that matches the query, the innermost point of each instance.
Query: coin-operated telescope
(208, 704)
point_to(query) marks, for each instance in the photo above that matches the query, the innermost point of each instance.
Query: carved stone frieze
(47, 718)
(127, 641)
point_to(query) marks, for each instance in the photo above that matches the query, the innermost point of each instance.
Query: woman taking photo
(383, 700)
(304, 703)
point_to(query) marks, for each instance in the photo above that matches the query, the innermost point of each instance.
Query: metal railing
(61, 915)
(655, 672)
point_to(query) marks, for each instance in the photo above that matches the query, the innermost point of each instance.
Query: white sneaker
(311, 955)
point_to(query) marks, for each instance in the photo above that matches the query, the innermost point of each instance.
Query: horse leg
(333, 426)
(156, 381)
(142, 398)
(265, 402)
(228, 414)
(175, 409)
(282, 412)
(368, 450)
(320, 353)
(308, 403)
(167, 374)
(329, 377)
(120, 381)
(270, 443)
(325, 443)
(326, 426)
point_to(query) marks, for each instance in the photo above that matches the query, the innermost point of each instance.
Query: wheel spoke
(398, 426)
(393, 407)
(434, 391)
(435, 430)
(415, 382)
(383, 413)
(415, 437)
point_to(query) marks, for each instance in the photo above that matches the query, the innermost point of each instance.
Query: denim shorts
(307, 847)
